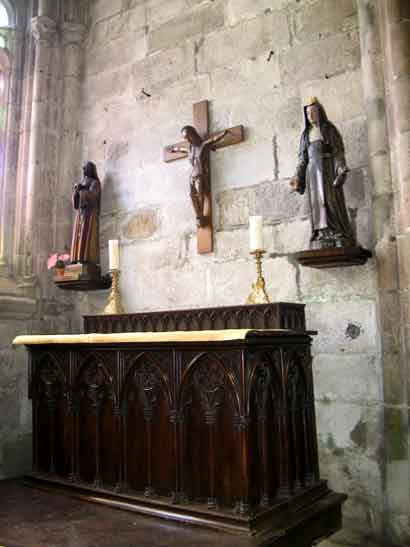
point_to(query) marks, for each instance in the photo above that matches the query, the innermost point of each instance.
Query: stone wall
(255, 61)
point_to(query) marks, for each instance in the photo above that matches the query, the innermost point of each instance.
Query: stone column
(4, 187)
(383, 29)
(395, 30)
(41, 150)
(394, 20)
(73, 35)
(46, 8)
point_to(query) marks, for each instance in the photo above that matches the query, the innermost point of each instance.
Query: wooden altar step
(299, 520)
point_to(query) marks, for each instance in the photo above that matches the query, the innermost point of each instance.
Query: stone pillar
(46, 8)
(394, 17)
(395, 30)
(73, 35)
(41, 149)
(385, 41)
(4, 189)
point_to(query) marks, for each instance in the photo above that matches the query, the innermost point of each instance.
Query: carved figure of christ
(197, 146)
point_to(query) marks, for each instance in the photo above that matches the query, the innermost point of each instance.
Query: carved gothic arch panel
(210, 376)
(94, 380)
(49, 380)
(145, 374)
(264, 380)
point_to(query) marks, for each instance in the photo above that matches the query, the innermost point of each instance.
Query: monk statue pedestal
(82, 277)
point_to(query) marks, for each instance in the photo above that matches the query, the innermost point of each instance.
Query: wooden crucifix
(197, 146)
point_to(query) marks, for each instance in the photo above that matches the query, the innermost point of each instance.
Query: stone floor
(33, 518)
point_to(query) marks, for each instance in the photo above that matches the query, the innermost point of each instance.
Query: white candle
(255, 233)
(114, 254)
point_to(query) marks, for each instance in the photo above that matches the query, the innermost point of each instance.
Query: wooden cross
(201, 197)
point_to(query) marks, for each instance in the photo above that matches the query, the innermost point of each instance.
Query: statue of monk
(322, 170)
(85, 246)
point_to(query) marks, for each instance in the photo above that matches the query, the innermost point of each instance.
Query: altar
(210, 427)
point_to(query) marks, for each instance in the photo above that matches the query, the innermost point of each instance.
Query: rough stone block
(116, 53)
(356, 187)
(291, 237)
(341, 95)
(161, 69)
(400, 91)
(142, 224)
(400, 49)
(288, 111)
(396, 434)
(321, 59)
(242, 94)
(403, 245)
(348, 378)
(237, 10)
(394, 379)
(323, 18)
(387, 265)
(287, 151)
(165, 289)
(235, 206)
(231, 282)
(402, 150)
(247, 40)
(355, 139)
(196, 23)
(162, 11)
(346, 326)
(234, 244)
(275, 202)
(390, 318)
(101, 9)
(348, 426)
(127, 23)
(381, 179)
(242, 165)
(328, 284)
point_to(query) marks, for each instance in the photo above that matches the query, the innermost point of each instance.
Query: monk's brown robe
(85, 246)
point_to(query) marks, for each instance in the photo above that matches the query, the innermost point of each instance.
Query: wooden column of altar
(217, 431)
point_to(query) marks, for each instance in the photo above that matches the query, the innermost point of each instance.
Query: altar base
(300, 522)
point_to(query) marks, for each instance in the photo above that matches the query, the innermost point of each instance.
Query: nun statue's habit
(322, 171)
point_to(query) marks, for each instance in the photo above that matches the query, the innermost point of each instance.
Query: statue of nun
(322, 170)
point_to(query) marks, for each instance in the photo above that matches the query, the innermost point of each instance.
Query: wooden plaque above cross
(197, 146)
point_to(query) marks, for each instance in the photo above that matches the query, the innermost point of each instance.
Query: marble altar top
(124, 337)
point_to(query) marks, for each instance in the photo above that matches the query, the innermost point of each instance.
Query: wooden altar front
(211, 428)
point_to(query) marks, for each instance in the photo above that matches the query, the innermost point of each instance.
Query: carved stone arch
(151, 377)
(210, 380)
(264, 379)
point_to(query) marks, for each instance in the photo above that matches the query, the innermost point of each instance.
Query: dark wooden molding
(333, 257)
(279, 315)
(99, 284)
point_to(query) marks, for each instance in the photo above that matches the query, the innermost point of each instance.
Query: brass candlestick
(258, 293)
(114, 304)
